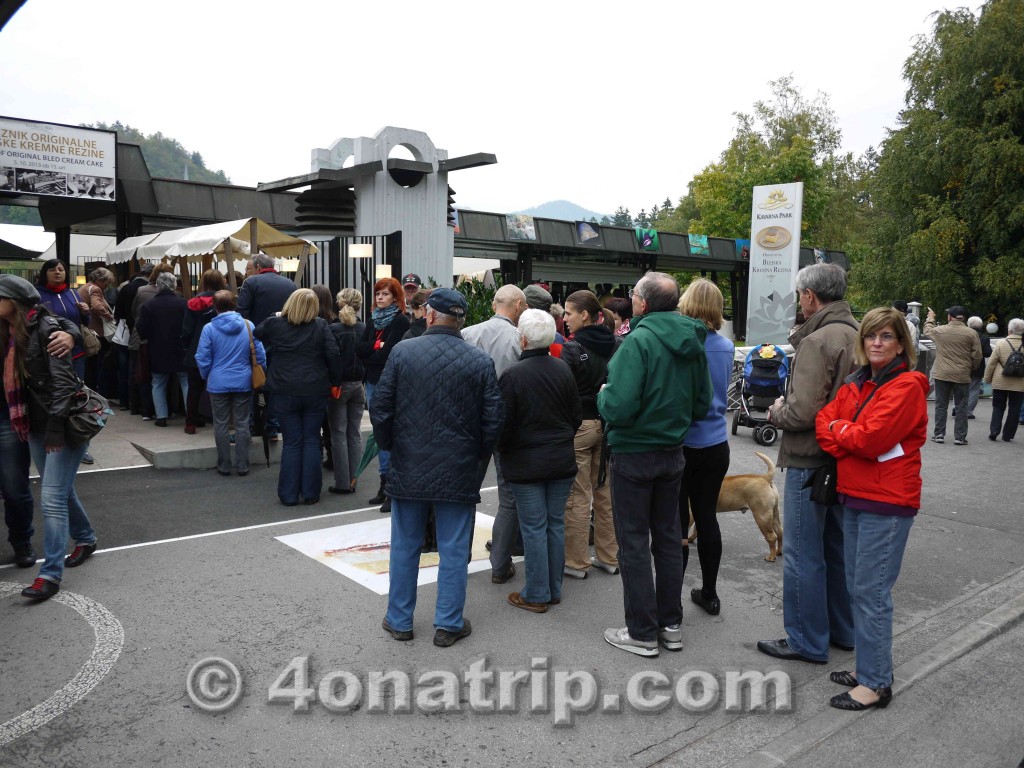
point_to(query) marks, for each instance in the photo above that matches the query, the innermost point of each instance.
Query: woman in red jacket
(875, 428)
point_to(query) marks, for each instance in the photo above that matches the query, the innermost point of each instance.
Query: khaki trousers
(585, 496)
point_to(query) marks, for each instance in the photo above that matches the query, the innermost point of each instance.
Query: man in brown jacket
(957, 353)
(815, 601)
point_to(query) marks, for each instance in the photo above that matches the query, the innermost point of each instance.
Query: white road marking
(109, 642)
(234, 530)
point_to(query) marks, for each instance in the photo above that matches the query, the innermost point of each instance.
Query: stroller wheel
(735, 422)
(769, 434)
(757, 435)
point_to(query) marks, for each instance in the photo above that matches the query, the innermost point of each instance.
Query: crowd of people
(604, 420)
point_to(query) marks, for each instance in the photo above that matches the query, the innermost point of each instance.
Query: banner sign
(589, 234)
(774, 261)
(519, 226)
(58, 160)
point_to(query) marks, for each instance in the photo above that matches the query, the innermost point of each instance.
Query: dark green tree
(621, 217)
(948, 188)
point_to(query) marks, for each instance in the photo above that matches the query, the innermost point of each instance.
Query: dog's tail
(770, 474)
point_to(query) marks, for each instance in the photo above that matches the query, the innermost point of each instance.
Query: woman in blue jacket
(224, 361)
(55, 295)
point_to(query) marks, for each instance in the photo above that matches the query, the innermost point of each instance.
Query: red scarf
(15, 394)
(59, 288)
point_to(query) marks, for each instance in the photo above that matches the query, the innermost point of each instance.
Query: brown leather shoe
(516, 599)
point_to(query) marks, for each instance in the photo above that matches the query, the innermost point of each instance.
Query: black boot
(385, 508)
(379, 498)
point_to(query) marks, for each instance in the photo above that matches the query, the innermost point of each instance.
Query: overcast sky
(600, 103)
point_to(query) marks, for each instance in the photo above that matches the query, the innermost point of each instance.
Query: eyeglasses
(886, 338)
(634, 292)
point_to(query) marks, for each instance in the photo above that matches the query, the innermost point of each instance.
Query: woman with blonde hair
(345, 410)
(304, 364)
(706, 446)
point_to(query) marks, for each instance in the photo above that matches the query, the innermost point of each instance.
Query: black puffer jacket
(437, 408)
(302, 359)
(347, 337)
(542, 414)
(587, 354)
(52, 380)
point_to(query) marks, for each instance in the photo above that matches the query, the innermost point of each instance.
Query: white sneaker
(574, 573)
(671, 638)
(612, 569)
(620, 639)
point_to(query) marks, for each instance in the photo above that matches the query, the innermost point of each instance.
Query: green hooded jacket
(658, 384)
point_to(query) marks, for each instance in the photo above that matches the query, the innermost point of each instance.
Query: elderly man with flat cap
(957, 353)
(438, 409)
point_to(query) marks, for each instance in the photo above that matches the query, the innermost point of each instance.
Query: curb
(202, 457)
(817, 729)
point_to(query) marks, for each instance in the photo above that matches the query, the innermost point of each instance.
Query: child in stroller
(764, 379)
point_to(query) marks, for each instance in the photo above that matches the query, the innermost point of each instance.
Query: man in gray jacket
(957, 353)
(498, 338)
(815, 601)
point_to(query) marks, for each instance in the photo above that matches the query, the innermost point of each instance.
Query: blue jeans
(14, 466)
(301, 473)
(454, 528)
(874, 553)
(815, 600)
(384, 457)
(541, 509)
(645, 504)
(63, 513)
(160, 391)
(943, 390)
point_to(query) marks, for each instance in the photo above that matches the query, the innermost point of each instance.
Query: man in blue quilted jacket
(438, 409)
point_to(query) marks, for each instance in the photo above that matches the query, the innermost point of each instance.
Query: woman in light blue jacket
(224, 360)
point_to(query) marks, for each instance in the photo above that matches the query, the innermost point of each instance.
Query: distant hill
(562, 209)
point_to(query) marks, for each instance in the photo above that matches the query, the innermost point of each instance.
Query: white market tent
(84, 248)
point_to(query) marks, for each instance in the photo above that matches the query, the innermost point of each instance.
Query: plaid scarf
(14, 392)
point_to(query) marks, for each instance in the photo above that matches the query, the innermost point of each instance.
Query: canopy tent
(13, 252)
(125, 250)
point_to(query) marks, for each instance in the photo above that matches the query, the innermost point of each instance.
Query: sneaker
(444, 638)
(161, 422)
(81, 553)
(959, 441)
(24, 556)
(87, 458)
(671, 638)
(938, 438)
(147, 418)
(41, 589)
(574, 573)
(516, 599)
(398, 634)
(609, 569)
(620, 639)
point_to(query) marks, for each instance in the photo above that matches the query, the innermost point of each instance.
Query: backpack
(1014, 365)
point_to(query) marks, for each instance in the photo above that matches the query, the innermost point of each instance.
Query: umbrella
(259, 422)
(370, 451)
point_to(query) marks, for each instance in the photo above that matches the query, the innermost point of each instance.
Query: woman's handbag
(109, 328)
(88, 415)
(259, 378)
(90, 341)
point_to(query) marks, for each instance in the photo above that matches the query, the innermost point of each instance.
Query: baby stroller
(764, 378)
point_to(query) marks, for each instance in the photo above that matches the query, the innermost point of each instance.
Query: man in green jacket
(658, 384)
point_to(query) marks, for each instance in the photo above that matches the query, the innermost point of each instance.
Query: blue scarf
(382, 317)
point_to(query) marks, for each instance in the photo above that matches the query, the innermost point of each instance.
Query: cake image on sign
(773, 238)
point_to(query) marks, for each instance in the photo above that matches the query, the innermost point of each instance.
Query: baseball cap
(412, 279)
(957, 311)
(448, 301)
(18, 289)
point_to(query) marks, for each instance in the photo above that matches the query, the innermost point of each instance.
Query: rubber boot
(379, 498)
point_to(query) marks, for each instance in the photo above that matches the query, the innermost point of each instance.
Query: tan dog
(758, 494)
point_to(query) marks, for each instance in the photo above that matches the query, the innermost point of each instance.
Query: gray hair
(975, 322)
(166, 280)
(262, 261)
(441, 318)
(101, 275)
(538, 328)
(826, 281)
(1015, 327)
(659, 290)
